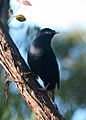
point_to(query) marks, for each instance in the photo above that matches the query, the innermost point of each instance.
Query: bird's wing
(50, 66)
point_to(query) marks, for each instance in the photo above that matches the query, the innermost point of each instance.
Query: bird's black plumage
(42, 60)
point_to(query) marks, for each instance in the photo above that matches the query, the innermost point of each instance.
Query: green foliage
(71, 51)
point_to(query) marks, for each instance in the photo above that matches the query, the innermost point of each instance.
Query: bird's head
(48, 33)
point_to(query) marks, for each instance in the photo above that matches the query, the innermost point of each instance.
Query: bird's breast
(36, 52)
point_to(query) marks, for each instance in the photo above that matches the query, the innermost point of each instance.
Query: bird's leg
(44, 88)
(47, 86)
(51, 95)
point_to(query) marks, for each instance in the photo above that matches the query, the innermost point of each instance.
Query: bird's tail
(51, 95)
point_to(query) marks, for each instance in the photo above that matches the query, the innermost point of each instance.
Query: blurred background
(68, 17)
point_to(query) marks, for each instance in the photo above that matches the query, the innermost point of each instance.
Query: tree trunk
(4, 6)
(25, 81)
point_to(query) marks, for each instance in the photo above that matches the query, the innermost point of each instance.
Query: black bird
(42, 61)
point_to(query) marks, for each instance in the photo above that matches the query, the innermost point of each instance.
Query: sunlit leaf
(20, 18)
(25, 2)
(10, 11)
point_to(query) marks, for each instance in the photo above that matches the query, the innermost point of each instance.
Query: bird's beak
(57, 32)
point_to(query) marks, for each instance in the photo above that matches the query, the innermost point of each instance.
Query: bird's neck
(43, 41)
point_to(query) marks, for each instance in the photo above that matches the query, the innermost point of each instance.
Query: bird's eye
(48, 32)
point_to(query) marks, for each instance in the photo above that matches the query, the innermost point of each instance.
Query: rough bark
(26, 83)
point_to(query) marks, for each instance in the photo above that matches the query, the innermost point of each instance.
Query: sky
(54, 13)
(80, 114)
(61, 14)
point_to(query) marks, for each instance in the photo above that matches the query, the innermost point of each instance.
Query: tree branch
(25, 81)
